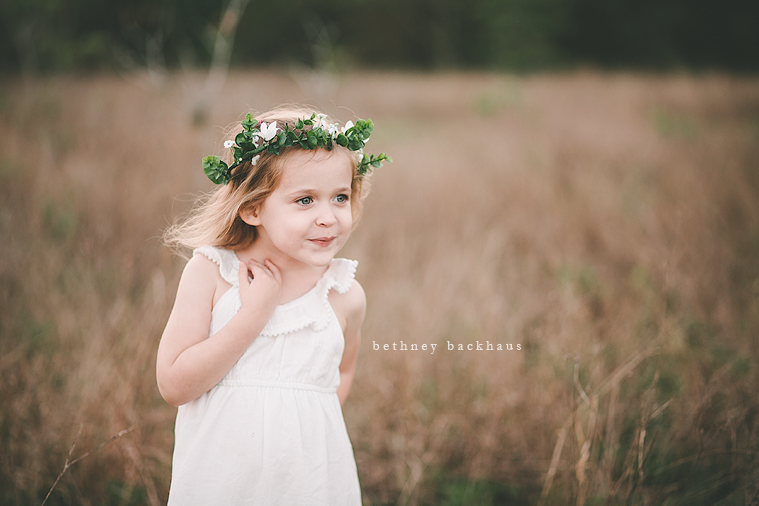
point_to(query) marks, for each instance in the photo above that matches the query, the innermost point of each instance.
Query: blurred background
(55, 35)
(576, 177)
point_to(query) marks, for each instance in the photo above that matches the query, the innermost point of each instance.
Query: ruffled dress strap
(226, 260)
(313, 309)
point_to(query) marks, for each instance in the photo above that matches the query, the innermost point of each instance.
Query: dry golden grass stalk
(70, 463)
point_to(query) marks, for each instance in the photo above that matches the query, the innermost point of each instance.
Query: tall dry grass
(608, 224)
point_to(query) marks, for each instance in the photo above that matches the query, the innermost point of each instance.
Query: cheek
(346, 215)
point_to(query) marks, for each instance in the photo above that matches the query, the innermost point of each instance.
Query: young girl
(260, 349)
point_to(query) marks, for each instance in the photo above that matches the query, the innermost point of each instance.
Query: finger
(243, 274)
(274, 270)
(256, 267)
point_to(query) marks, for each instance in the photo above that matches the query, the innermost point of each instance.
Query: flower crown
(246, 148)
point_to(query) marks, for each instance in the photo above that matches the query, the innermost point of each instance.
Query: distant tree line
(55, 35)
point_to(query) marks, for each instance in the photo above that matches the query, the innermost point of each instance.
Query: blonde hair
(215, 219)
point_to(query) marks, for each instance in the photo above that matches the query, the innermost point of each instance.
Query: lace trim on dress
(312, 309)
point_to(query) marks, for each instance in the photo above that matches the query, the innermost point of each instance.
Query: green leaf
(247, 146)
(249, 123)
(246, 156)
(216, 170)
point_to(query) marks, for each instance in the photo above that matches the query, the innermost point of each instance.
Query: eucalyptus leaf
(249, 123)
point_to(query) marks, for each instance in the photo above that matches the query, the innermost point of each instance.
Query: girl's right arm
(189, 363)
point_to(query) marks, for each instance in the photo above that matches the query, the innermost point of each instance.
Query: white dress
(272, 431)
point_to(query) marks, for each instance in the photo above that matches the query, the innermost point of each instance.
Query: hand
(261, 293)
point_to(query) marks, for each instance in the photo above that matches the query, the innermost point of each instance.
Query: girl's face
(307, 218)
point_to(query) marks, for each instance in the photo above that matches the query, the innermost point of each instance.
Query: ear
(250, 216)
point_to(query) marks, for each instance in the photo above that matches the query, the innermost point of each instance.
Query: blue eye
(342, 198)
(305, 201)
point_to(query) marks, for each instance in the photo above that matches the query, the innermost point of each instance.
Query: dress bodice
(314, 346)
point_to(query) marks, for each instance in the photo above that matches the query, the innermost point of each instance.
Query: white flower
(268, 131)
(229, 144)
(347, 126)
(254, 159)
(332, 130)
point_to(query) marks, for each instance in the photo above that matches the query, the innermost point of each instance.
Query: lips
(323, 241)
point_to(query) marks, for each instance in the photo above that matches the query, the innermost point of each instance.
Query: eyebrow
(344, 189)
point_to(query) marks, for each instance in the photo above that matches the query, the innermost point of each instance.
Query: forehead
(316, 169)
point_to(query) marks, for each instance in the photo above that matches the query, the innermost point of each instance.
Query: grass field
(607, 225)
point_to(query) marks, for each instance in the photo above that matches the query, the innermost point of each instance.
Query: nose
(326, 216)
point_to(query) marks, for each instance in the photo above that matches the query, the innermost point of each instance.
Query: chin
(319, 260)
(323, 261)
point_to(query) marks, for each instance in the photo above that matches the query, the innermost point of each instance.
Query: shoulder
(202, 266)
(200, 274)
(354, 299)
(349, 306)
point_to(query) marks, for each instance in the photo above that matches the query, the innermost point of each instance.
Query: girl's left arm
(350, 308)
